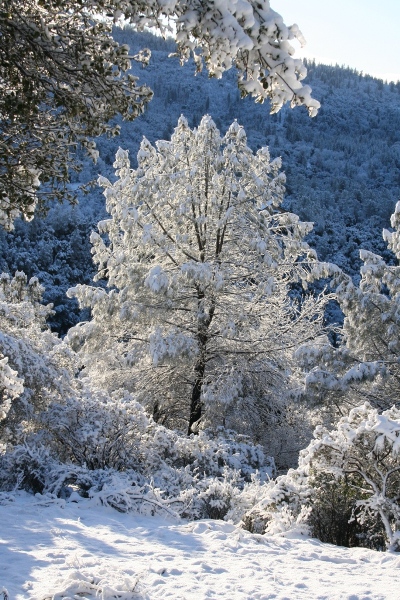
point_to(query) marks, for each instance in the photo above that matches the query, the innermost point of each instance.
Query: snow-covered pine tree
(345, 489)
(365, 364)
(198, 321)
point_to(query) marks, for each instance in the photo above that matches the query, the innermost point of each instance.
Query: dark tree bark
(195, 403)
(200, 368)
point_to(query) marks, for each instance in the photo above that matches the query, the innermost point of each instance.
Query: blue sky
(364, 34)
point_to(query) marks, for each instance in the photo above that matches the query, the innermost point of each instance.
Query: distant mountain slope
(343, 167)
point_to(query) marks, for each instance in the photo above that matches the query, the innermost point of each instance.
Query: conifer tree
(364, 365)
(199, 259)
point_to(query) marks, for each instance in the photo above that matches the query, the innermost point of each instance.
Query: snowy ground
(77, 550)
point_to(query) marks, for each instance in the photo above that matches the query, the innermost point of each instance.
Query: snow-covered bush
(27, 466)
(364, 451)
(333, 516)
(11, 386)
(348, 475)
(98, 430)
(107, 448)
(113, 431)
(182, 492)
(39, 361)
(66, 435)
(281, 505)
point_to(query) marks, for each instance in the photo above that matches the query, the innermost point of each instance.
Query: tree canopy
(364, 364)
(198, 321)
(63, 77)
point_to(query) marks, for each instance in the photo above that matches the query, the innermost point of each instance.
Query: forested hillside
(342, 167)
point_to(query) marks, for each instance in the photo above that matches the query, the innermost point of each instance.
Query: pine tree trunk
(195, 403)
(203, 325)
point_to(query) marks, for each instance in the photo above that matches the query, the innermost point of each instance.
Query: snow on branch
(246, 34)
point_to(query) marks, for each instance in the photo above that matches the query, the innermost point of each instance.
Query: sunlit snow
(55, 549)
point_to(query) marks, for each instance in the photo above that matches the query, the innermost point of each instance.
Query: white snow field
(57, 549)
